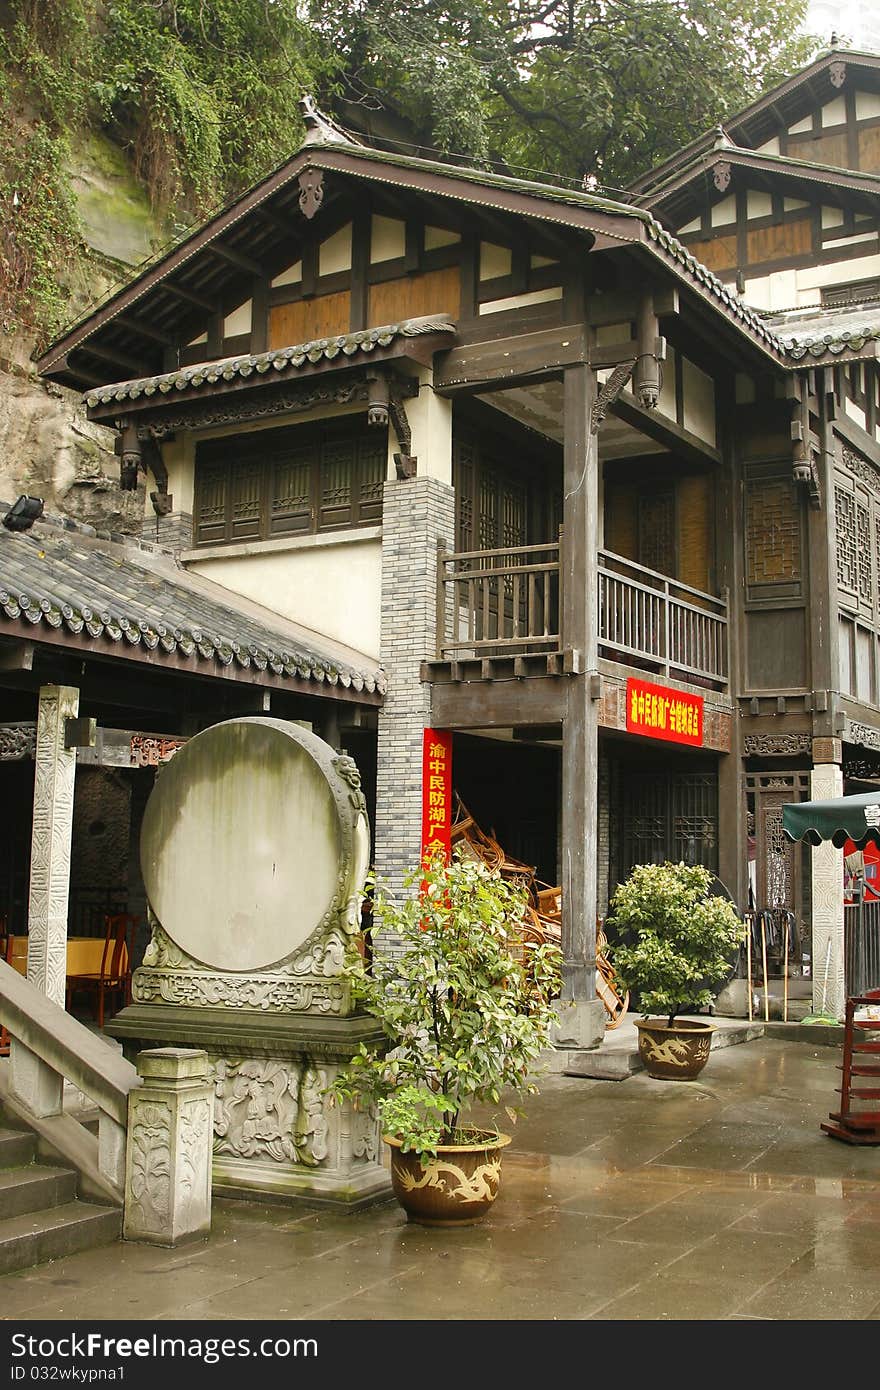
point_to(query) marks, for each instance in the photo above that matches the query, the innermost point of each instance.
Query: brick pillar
(417, 513)
(171, 532)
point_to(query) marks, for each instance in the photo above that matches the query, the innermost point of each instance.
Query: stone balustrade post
(169, 1148)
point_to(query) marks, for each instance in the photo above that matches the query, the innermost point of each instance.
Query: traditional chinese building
(574, 500)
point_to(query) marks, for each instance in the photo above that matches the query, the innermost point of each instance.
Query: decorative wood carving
(862, 468)
(837, 73)
(775, 745)
(609, 392)
(862, 734)
(148, 751)
(232, 413)
(17, 741)
(311, 191)
(721, 175)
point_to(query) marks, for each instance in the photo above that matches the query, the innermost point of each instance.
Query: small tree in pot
(676, 940)
(466, 1009)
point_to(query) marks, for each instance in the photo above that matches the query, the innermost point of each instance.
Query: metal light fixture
(23, 513)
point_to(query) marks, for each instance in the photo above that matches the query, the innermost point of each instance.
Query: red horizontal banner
(436, 791)
(657, 711)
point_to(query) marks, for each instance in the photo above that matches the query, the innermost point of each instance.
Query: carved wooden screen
(496, 506)
(773, 535)
(777, 861)
(290, 481)
(857, 530)
(656, 513)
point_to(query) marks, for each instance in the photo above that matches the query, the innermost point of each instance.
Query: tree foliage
(465, 1006)
(677, 939)
(204, 96)
(600, 89)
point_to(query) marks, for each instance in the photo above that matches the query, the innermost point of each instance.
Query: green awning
(844, 818)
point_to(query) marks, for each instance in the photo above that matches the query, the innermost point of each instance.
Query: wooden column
(584, 1023)
(54, 773)
(732, 837)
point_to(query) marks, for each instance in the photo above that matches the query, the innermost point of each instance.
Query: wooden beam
(138, 326)
(499, 704)
(119, 359)
(190, 296)
(236, 258)
(17, 656)
(665, 431)
(506, 361)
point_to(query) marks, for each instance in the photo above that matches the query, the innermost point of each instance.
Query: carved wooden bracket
(311, 191)
(609, 393)
(837, 73)
(385, 400)
(721, 175)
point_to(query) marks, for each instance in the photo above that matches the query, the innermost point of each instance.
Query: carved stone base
(276, 1134)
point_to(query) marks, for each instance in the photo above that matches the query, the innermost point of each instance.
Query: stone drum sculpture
(254, 849)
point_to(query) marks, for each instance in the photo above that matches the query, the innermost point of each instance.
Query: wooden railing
(498, 602)
(495, 603)
(646, 616)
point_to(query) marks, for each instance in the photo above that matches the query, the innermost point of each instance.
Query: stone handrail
(49, 1046)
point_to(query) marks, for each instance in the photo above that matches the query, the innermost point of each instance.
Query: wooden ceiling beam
(119, 359)
(235, 258)
(201, 301)
(138, 326)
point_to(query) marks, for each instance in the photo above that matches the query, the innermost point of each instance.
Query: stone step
(48, 1235)
(617, 1056)
(33, 1188)
(16, 1147)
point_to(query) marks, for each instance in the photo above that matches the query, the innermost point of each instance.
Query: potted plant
(465, 1006)
(675, 941)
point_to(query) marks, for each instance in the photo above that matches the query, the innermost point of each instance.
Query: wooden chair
(113, 981)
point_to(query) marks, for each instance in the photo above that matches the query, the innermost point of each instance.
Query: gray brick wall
(417, 513)
(172, 532)
(603, 828)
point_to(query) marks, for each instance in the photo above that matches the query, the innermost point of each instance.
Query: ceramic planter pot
(678, 1053)
(457, 1187)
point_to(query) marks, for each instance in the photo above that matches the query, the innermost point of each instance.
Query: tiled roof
(352, 345)
(130, 594)
(814, 333)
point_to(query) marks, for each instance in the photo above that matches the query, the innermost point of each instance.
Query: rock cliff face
(47, 446)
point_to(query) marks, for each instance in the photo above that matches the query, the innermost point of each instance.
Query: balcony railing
(496, 603)
(646, 616)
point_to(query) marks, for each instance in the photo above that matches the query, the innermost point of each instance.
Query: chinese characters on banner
(656, 711)
(436, 791)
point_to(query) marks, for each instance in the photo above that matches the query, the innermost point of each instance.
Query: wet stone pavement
(640, 1199)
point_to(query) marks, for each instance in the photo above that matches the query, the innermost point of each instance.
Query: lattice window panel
(487, 525)
(212, 506)
(246, 488)
(657, 531)
(845, 527)
(669, 816)
(291, 505)
(773, 533)
(371, 480)
(863, 554)
(338, 461)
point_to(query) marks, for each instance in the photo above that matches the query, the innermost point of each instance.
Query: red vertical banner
(436, 791)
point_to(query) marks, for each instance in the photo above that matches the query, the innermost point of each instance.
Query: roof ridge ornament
(320, 129)
(722, 139)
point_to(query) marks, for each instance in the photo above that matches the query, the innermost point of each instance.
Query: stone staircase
(41, 1216)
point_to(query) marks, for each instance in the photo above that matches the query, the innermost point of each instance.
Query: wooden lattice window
(774, 556)
(290, 481)
(857, 534)
(657, 529)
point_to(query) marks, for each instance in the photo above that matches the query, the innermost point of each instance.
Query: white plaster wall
(494, 260)
(331, 584)
(698, 394)
(800, 289)
(430, 420)
(239, 321)
(387, 238)
(334, 254)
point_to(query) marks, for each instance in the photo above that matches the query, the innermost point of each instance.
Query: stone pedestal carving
(254, 849)
(168, 1148)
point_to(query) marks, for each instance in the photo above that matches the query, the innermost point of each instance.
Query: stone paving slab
(715, 1199)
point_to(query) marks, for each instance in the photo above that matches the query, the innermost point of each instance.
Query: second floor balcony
(509, 603)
